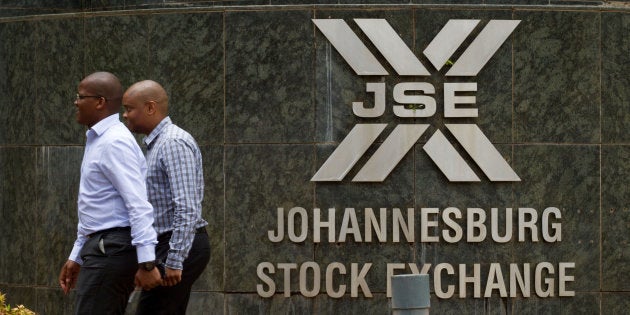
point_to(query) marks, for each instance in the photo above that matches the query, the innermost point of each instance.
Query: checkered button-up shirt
(175, 187)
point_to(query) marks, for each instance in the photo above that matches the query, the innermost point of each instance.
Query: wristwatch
(147, 265)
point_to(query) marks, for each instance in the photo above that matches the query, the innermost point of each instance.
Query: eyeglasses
(80, 97)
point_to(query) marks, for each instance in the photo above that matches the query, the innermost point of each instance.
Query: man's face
(134, 113)
(86, 104)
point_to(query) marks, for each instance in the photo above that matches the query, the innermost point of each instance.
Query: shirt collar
(100, 127)
(157, 131)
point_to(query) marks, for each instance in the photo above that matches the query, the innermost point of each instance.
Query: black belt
(114, 229)
(167, 235)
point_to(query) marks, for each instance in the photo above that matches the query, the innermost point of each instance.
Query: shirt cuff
(173, 264)
(145, 253)
(75, 255)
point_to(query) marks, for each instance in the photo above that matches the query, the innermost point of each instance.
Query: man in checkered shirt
(175, 189)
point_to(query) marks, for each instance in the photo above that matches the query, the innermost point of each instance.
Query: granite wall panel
(615, 303)
(268, 79)
(52, 301)
(214, 213)
(494, 81)
(58, 173)
(17, 94)
(59, 69)
(615, 79)
(337, 85)
(615, 217)
(186, 57)
(206, 303)
(117, 44)
(18, 185)
(435, 193)
(269, 99)
(556, 81)
(378, 304)
(582, 303)
(19, 295)
(490, 306)
(258, 180)
(253, 304)
(553, 177)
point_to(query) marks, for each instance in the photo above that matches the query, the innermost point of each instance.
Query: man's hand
(148, 279)
(69, 275)
(172, 277)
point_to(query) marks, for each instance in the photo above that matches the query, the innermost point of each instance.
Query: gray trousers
(106, 278)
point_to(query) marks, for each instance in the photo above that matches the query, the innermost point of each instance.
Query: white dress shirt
(112, 191)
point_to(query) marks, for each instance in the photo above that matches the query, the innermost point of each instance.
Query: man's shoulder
(118, 135)
(118, 132)
(174, 132)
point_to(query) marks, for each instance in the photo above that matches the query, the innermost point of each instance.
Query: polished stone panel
(268, 80)
(433, 190)
(552, 176)
(520, 2)
(378, 304)
(615, 303)
(259, 179)
(17, 93)
(556, 80)
(59, 67)
(395, 191)
(52, 301)
(615, 79)
(18, 210)
(206, 303)
(488, 306)
(186, 57)
(215, 3)
(577, 2)
(281, 2)
(278, 304)
(58, 174)
(370, 1)
(118, 44)
(214, 213)
(25, 7)
(494, 81)
(336, 83)
(18, 295)
(107, 5)
(615, 217)
(581, 303)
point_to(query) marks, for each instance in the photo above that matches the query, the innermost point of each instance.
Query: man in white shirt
(115, 245)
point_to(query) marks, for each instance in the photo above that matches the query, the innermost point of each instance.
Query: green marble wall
(268, 100)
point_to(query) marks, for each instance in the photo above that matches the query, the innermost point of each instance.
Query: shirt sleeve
(178, 159)
(125, 167)
(75, 255)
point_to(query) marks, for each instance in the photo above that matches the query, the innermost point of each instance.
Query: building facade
(482, 142)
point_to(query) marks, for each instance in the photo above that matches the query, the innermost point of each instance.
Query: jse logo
(404, 136)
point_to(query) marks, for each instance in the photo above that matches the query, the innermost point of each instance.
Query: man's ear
(150, 107)
(102, 104)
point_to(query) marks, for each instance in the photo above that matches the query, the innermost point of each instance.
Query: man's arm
(124, 166)
(179, 160)
(69, 275)
(70, 270)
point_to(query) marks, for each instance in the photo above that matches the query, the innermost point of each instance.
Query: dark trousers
(174, 300)
(107, 274)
